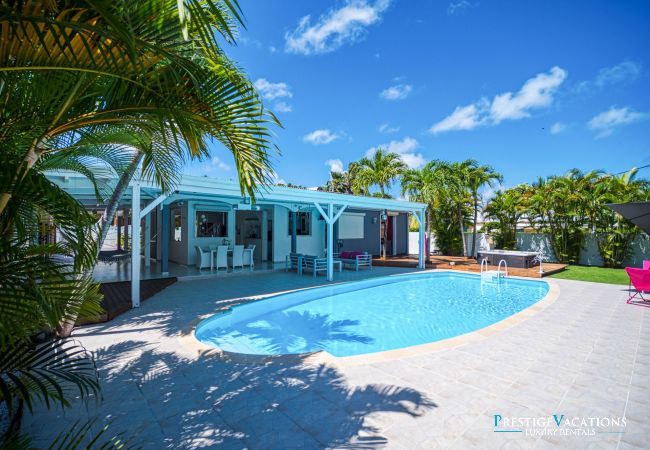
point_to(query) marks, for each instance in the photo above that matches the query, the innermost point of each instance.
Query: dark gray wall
(370, 242)
(402, 233)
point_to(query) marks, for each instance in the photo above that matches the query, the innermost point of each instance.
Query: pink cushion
(344, 255)
(646, 264)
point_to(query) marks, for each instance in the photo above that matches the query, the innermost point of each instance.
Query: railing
(503, 261)
(484, 261)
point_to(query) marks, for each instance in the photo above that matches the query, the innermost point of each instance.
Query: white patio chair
(249, 252)
(202, 258)
(222, 257)
(238, 256)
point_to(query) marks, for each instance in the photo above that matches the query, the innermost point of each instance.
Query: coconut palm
(477, 176)
(155, 65)
(381, 170)
(504, 212)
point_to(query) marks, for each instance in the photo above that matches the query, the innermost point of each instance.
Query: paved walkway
(586, 355)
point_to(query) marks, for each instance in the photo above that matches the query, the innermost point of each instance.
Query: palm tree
(457, 176)
(477, 176)
(380, 170)
(343, 182)
(424, 185)
(154, 65)
(504, 211)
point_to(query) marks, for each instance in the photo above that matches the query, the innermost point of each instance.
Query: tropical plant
(504, 212)
(343, 182)
(381, 170)
(92, 86)
(477, 176)
(614, 234)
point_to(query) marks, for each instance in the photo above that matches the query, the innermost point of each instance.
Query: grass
(595, 274)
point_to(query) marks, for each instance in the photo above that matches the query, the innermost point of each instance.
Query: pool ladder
(485, 268)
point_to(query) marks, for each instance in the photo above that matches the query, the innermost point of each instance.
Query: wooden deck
(466, 264)
(117, 296)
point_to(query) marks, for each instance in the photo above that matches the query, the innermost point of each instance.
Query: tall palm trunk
(462, 229)
(474, 227)
(114, 202)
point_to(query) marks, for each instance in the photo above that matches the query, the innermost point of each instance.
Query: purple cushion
(345, 255)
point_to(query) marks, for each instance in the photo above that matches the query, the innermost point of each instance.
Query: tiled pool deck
(585, 355)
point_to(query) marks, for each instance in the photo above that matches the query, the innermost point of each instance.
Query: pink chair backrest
(646, 265)
(639, 278)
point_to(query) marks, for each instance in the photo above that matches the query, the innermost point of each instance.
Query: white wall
(308, 245)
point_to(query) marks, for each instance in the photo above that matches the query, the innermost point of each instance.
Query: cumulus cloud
(536, 93)
(334, 29)
(396, 92)
(458, 6)
(283, 107)
(405, 148)
(271, 91)
(335, 165)
(217, 162)
(624, 72)
(387, 129)
(558, 127)
(320, 137)
(607, 121)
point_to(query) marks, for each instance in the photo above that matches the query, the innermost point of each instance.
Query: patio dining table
(230, 249)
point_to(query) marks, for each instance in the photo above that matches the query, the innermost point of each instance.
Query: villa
(204, 212)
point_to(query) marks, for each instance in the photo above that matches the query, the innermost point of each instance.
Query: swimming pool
(369, 316)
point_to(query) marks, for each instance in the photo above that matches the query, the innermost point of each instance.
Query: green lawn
(595, 274)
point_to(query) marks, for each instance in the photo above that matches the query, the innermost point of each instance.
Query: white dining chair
(249, 252)
(222, 257)
(238, 256)
(202, 258)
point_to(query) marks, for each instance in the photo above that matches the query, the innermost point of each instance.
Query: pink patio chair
(646, 264)
(640, 280)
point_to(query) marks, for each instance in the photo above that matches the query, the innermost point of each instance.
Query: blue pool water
(369, 316)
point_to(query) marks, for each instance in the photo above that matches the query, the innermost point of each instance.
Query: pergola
(144, 197)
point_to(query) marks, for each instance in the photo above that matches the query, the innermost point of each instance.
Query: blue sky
(531, 88)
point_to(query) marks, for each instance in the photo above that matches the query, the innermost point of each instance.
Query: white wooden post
(421, 259)
(135, 243)
(330, 244)
(265, 235)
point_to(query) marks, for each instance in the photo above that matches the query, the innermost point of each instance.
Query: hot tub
(513, 258)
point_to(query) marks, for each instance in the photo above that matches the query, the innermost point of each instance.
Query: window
(351, 226)
(303, 224)
(211, 224)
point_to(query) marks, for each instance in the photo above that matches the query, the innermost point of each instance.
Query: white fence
(536, 242)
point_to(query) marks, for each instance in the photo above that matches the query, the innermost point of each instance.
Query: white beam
(322, 212)
(135, 243)
(157, 201)
(338, 214)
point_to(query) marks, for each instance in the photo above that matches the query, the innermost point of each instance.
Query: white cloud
(217, 162)
(405, 148)
(272, 49)
(276, 179)
(605, 122)
(283, 107)
(396, 92)
(270, 91)
(558, 127)
(319, 137)
(337, 27)
(387, 129)
(458, 6)
(336, 165)
(624, 72)
(536, 93)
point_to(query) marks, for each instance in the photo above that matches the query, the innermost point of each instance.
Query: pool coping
(190, 342)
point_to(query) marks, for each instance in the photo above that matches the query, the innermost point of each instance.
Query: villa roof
(228, 191)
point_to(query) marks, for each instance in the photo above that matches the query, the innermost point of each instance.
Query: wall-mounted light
(384, 215)
(374, 220)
